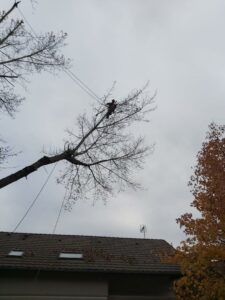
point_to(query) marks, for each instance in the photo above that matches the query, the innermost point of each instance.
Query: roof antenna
(143, 229)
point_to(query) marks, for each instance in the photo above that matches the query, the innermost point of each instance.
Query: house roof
(100, 254)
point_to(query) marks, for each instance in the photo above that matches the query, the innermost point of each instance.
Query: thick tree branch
(45, 160)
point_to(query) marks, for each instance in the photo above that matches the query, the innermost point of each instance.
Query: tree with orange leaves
(202, 255)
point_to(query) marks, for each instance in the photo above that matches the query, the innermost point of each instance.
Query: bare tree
(103, 153)
(22, 53)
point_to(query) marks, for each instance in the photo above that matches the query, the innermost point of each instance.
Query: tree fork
(47, 160)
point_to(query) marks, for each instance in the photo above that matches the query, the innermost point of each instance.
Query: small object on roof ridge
(143, 229)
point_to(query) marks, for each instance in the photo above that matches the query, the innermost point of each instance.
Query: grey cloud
(179, 47)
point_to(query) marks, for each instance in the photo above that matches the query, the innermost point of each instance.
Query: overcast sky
(179, 47)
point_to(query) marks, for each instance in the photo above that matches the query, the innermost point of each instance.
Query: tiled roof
(100, 254)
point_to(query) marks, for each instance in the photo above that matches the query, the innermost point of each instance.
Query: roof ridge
(81, 235)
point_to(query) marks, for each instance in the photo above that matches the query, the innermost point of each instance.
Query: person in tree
(111, 107)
